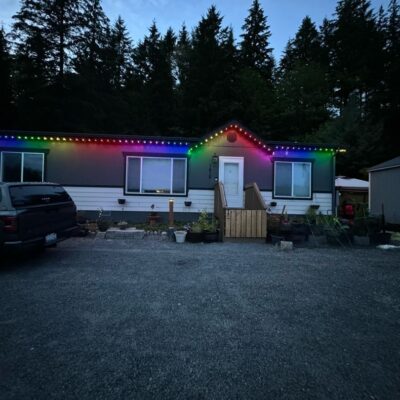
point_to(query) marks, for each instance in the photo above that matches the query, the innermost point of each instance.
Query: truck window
(32, 195)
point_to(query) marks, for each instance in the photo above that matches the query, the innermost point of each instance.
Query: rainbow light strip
(270, 148)
(64, 139)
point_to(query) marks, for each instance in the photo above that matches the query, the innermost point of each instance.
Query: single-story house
(384, 181)
(351, 190)
(131, 176)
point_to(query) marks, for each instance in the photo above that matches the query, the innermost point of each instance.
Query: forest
(64, 66)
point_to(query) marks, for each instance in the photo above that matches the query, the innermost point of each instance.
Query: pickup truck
(35, 214)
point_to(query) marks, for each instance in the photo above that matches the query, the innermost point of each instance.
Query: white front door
(231, 175)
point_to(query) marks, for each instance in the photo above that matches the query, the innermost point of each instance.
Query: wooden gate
(241, 223)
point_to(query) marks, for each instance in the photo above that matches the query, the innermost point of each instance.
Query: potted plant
(102, 223)
(195, 233)
(209, 227)
(180, 236)
(122, 225)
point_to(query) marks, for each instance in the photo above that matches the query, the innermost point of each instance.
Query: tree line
(65, 67)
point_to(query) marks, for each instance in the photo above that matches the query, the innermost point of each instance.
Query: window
(155, 175)
(292, 179)
(21, 167)
(33, 195)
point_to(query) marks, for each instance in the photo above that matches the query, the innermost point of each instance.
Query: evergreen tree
(305, 48)
(254, 48)
(356, 52)
(92, 39)
(302, 86)
(6, 95)
(207, 92)
(182, 51)
(119, 54)
(392, 80)
(154, 81)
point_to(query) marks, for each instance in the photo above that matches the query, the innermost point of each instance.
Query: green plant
(205, 223)
(122, 225)
(311, 215)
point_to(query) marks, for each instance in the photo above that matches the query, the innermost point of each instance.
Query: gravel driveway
(97, 319)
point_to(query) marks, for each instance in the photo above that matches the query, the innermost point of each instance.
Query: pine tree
(305, 48)
(182, 51)
(154, 81)
(302, 86)
(119, 54)
(92, 39)
(254, 48)
(207, 91)
(6, 95)
(392, 79)
(356, 51)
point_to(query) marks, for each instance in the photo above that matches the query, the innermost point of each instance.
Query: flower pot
(195, 237)
(180, 236)
(210, 237)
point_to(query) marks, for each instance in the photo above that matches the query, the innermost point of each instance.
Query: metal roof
(351, 183)
(393, 163)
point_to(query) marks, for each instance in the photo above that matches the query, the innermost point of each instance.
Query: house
(384, 181)
(131, 176)
(351, 190)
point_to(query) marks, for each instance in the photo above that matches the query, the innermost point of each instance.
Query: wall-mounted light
(214, 159)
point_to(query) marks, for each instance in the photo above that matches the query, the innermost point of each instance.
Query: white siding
(300, 207)
(94, 198)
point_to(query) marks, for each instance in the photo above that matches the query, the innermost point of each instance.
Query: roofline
(189, 140)
(270, 142)
(383, 168)
(98, 135)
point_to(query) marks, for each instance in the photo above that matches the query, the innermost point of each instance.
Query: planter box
(194, 237)
(210, 237)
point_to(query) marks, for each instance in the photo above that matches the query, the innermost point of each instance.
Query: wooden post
(171, 213)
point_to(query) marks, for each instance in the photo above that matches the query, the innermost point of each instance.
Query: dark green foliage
(207, 90)
(302, 85)
(6, 94)
(254, 48)
(65, 67)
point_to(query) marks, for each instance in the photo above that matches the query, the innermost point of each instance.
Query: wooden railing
(250, 222)
(253, 199)
(220, 207)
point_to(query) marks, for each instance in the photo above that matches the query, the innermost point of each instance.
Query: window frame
(292, 196)
(151, 156)
(22, 153)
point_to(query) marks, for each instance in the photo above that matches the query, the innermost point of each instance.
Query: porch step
(127, 234)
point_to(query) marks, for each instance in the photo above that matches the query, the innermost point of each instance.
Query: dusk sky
(284, 16)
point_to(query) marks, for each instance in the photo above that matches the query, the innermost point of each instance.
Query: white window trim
(292, 196)
(141, 176)
(22, 162)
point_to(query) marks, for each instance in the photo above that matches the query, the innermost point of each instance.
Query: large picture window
(155, 175)
(21, 167)
(292, 179)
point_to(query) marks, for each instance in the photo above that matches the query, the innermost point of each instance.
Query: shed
(384, 180)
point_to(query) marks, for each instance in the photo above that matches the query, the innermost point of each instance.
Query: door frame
(240, 160)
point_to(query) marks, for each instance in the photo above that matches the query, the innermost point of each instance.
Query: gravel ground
(98, 319)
